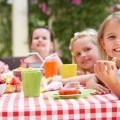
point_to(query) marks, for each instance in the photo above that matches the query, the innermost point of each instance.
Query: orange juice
(50, 68)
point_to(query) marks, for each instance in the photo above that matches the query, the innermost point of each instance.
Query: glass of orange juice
(50, 68)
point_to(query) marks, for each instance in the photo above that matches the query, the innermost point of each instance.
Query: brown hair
(44, 27)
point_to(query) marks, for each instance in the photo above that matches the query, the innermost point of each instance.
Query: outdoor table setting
(16, 106)
(29, 103)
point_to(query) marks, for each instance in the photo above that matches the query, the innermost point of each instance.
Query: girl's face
(86, 53)
(111, 39)
(41, 41)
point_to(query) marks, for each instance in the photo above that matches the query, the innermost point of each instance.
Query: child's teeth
(118, 49)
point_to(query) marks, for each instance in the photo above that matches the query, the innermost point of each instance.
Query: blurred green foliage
(5, 30)
(68, 18)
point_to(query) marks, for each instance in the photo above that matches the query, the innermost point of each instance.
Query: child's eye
(44, 38)
(111, 37)
(87, 49)
(78, 54)
(36, 38)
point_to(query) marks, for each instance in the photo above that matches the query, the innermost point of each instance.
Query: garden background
(63, 17)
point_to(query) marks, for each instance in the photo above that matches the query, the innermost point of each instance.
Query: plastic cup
(31, 83)
(50, 68)
(68, 70)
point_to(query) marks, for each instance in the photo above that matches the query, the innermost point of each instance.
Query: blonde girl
(109, 47)
(85, 54)
(84, 50)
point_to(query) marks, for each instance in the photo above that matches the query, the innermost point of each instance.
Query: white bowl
(2, 88)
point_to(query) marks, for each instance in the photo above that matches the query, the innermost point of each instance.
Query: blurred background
(63, 17)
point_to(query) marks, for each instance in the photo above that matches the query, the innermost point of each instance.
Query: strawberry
(15, 81)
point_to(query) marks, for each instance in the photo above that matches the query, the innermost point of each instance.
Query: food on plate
(15, 81)
(10, 88)
(68, 91)
(14, 85)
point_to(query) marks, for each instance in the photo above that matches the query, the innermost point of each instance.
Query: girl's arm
(90, 81)
(82, 79)
(107, 74)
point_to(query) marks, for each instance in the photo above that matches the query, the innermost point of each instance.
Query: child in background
(85, 54)
(109, 46)
(42, 42)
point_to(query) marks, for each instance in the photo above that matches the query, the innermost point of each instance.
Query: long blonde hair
(89, 32)
(114, 16)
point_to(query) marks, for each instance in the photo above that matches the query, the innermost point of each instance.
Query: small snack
(68, 91)
(14, 85)
(106, 61)
(112, 63)
(10, 88)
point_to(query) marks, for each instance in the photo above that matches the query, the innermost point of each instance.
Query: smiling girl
(109, 46)
(42, 42)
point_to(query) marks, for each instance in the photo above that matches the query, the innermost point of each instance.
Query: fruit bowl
(2, 88)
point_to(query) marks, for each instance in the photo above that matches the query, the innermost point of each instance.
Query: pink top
(31, 64)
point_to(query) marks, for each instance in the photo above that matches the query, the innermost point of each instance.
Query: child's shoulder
(30, 59)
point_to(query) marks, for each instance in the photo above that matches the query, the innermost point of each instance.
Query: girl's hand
(105, 72)
(99, 88)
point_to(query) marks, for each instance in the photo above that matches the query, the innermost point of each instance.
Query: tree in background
(5, 29)
(64, 17)
(70, 16)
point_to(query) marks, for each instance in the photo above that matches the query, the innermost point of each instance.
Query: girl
(85, 55)
(42, 42)
(84, 50)
(109, 46)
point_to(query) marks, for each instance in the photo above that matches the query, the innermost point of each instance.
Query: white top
(118, 74)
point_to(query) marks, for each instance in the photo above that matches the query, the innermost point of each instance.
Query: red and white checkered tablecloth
(15, 106)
